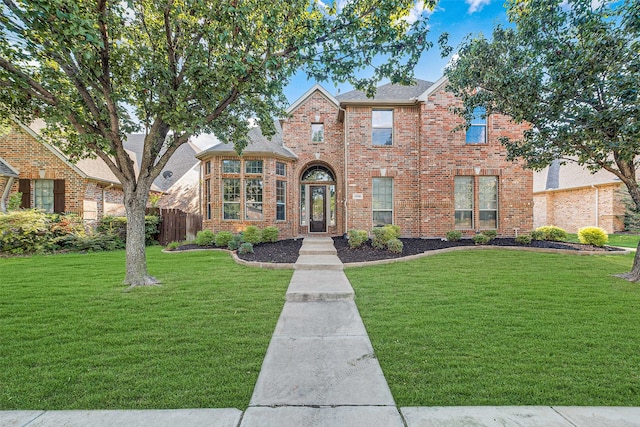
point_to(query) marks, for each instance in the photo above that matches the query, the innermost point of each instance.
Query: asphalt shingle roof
(6, 170)
(388, 92)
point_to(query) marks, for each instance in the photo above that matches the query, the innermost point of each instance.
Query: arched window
(318, 173)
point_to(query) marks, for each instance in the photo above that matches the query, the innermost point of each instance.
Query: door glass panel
(318, 204)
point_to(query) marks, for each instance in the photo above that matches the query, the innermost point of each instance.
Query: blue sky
(456, 17)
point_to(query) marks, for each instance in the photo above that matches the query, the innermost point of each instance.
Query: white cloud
(416, 12)
(476, 5)
(594, 4)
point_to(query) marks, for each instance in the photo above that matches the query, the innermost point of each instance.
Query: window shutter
(24, 186)
(58, 195)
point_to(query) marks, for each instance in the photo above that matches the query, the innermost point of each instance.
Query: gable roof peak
(315, 88)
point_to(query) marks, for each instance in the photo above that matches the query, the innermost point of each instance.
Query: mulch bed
(286, 251)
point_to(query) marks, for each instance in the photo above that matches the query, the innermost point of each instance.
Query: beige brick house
(351, 162)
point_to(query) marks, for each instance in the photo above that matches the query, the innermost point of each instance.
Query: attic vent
(167, 174)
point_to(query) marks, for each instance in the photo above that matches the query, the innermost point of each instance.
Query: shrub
(235, 242)
(395, 245)
(454, 236)
(357, 238)
(524, 239)
(205, 238)
(537, 235)
(270, 234)
(381, 235)
(481, 239)
(25, 231)
(96, 242)
(245, 248)
(223, 238)
(595, 236)
(173, 246)
(252, 234)
(491, 234)
(118, 225)
(14, 202)
(553, 233)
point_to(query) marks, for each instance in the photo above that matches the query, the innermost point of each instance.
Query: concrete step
(319, 285)
(318, 262)
(352, 416)
(318, 250)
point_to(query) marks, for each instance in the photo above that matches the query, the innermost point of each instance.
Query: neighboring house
(350, 162)
(571, 197)
(49, 181)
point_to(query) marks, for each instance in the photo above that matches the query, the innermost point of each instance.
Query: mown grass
(504, 328)
(70, 338)
(622, 240)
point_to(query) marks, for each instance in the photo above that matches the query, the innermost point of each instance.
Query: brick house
(351, 162)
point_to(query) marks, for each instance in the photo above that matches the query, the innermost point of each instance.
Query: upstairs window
(253, 167)
(317, 132)
(281, 169)
(477, 132)
(382, 127)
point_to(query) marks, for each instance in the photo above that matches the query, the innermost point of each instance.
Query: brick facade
(35, 161)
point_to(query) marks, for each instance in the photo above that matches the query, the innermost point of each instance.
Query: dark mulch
(286, 251)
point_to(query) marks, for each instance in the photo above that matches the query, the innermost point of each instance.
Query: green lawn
(71, 338)
(622, 240)
(498, 327)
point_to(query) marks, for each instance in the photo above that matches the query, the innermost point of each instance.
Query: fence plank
(177, 226)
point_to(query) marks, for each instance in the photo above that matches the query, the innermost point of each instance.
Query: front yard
(504, 328)
(70, 338)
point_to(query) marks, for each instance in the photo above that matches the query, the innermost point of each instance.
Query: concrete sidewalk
(320, 370)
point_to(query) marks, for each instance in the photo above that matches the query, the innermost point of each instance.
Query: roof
(388, 93)
(570, 175)
(316, 88)
(7, 170)
(258, 145)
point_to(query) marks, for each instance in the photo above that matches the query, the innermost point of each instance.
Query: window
(231, 198)
(253, 166)
(488, 202)
(43, 197)
(463, 190)
(231, 166)
(303, 205)
(207, 196)
(317, 132)
(382, 202)
(382, 127)
(281, 169)
(253, 199)
(281, 198)
(477, 132)
(207, 168)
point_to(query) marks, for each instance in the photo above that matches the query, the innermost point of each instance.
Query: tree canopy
(95, 70)
(571, 70)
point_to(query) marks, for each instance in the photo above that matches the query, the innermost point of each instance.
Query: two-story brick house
(352, 162)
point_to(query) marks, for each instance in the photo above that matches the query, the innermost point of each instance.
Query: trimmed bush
(252, 234)
(223, 238)
(381, 235)
(454, 235)
(481, 239)
(357, 238)
(537, 235)
(205, 238)
(270, 234)
(491, 234)
(235, 242)
(395, 245)
(595, 236)
(553, 233)
(245, 248)
(524, 239)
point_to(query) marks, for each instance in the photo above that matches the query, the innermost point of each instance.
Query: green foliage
(94, 242)
(395, 245)
(235, 243)
(381, 235)
(117, 225)
(173, 245)
(524, 239)
(25, 231)
(270, 234)
(595, 236)
(553, 233)
(14, 202)
(537, 235)
(252, 234)
(491, 234)
(223, 238)
(357, 238)
(205, 238)
(481, 239)
(245, 248)
(454, 235)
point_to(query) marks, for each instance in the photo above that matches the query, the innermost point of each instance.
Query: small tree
(569, 69)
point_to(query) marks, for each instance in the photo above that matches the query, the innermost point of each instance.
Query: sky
(456, 17)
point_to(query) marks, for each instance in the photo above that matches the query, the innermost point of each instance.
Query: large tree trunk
(630, 181)
(135, 202)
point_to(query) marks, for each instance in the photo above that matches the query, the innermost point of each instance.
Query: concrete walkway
(320, 370)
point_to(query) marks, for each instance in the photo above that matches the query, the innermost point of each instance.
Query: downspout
(597, 205)
(346, 173)
(5, 194)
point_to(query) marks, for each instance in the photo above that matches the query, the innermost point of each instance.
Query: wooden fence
(177, 226)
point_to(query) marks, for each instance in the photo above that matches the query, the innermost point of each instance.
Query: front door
(318, 223)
